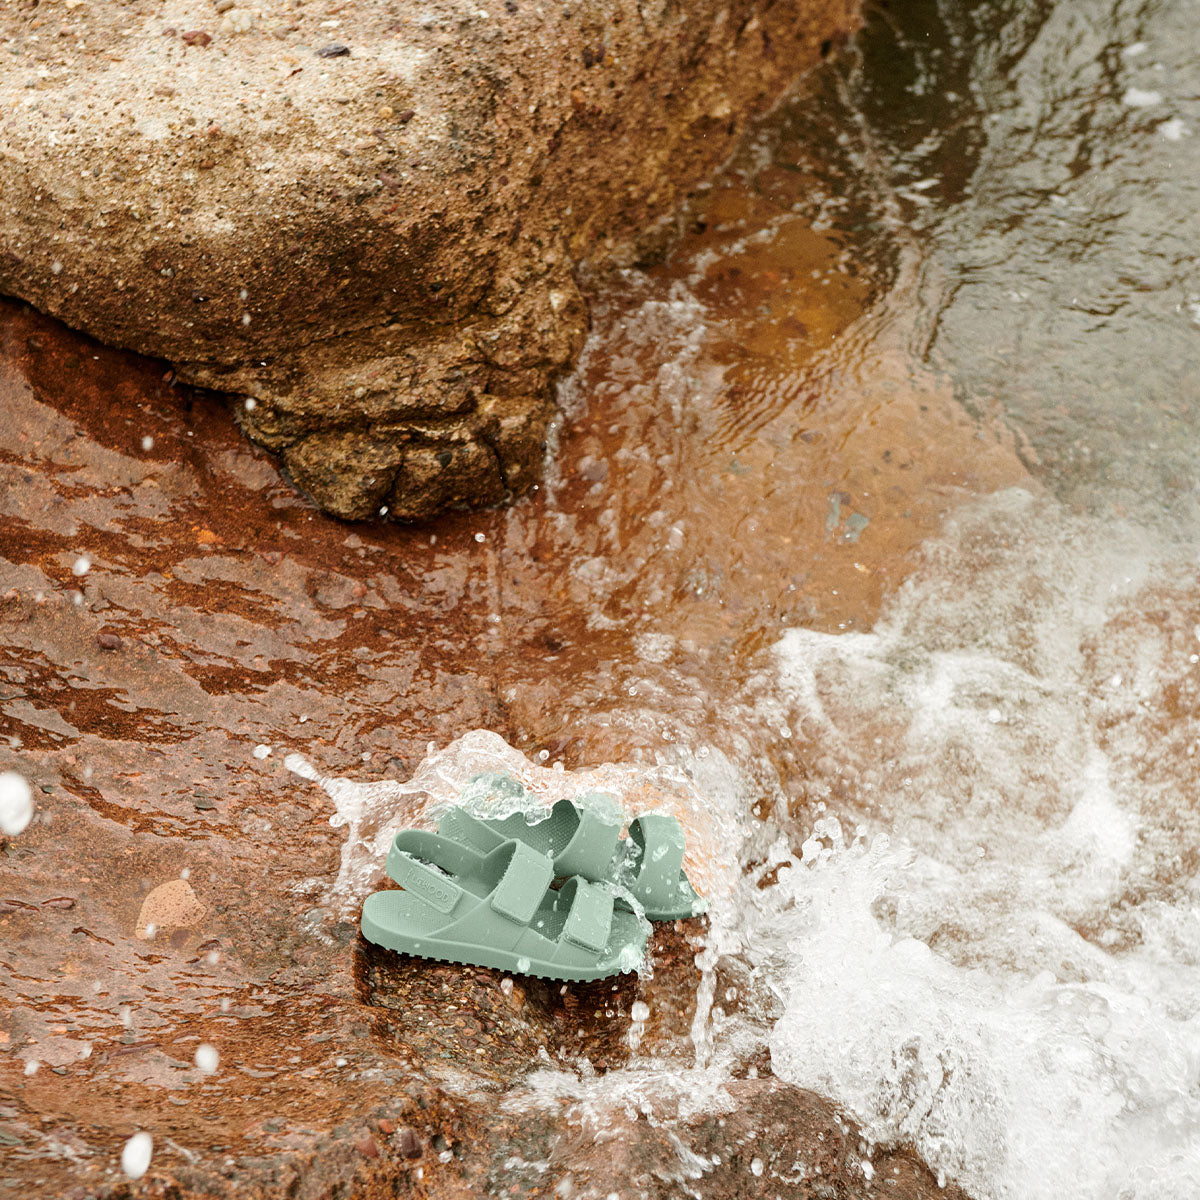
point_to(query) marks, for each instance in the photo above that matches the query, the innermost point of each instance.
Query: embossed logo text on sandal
(413, 877)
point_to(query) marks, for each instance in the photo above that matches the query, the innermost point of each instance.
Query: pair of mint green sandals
(479, 892)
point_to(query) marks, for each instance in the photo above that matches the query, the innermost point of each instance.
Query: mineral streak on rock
(370, 224)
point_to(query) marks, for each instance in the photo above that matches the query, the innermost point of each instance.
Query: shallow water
(967, 711)
(870, 548)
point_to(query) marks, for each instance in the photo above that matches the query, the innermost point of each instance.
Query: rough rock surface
(367, 217)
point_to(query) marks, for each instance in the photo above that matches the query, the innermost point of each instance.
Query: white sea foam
(1012, 982)
(989, 946)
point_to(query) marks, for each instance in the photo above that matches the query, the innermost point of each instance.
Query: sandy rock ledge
(367, 218)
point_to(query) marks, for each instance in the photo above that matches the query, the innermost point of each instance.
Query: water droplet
(16, 803)
(207, 1058)
(135, 1155)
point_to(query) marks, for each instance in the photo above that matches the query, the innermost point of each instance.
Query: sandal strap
(523, 885)
(420, 844)
(591, 847)
(661, 840)
(437, 890)
(589, 921)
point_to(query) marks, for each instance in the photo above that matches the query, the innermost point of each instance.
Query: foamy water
(989, 946)
(983, 936)
(1012, 981)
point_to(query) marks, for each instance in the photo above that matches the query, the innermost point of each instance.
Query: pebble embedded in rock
(197, 37)
(334, 50)
(408, 1143)
(223, 6)
(108, 641)
(171, 905)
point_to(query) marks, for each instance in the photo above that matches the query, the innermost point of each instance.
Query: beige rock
(368, 219)
(171, 905)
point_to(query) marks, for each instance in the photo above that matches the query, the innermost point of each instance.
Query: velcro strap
(589, 922)
(523, 884)
(661, 838)
(591, 847)
(437, 890)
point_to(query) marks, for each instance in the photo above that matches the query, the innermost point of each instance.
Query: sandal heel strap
(660, 839)
(436, 889)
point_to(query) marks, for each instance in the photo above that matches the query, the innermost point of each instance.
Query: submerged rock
(368, 229)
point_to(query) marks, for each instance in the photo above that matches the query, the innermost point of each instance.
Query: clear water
(972, 786)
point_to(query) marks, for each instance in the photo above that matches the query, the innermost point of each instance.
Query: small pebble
(108, 641)
(334, 50)
(197, 37)
(222, 6)
(408, 1143)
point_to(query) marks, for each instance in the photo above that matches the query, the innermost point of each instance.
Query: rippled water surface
(870, 548)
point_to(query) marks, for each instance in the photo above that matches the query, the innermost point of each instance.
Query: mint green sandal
(498, 910)
(579, 840)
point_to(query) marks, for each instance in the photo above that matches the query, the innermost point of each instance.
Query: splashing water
(135, 1155)
(482, 771)
(16, 803)
(1019, 970)
(971, 911)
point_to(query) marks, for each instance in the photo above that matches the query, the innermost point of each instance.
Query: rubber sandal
(580, 840)
(498, 910)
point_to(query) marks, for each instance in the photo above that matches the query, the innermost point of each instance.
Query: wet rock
(268, 634)
(396, 292)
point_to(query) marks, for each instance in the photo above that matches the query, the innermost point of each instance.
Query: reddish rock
(143, 765)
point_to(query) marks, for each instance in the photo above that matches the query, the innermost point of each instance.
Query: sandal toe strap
(589, 923)
(523, 884)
